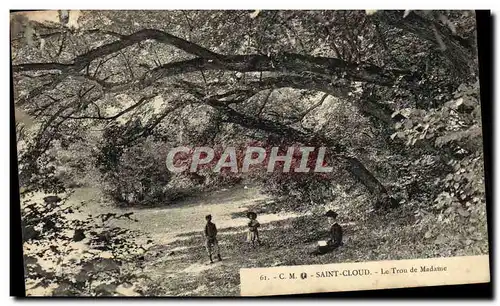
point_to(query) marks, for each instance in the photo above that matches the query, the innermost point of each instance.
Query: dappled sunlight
(150, 140)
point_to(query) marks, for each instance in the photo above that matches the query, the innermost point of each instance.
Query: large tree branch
(285, 63)
(208, 60)
(127, 40)
(247, 121)
(321, 72)
(365, 105)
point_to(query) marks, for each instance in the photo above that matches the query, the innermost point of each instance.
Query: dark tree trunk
(381, 197)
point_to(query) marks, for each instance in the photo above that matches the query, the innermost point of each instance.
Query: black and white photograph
(161, 151)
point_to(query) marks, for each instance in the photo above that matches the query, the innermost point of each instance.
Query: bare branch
(264, 102)
(117, 115)
(314, 106)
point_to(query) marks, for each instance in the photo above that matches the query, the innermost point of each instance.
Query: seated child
(335, 236)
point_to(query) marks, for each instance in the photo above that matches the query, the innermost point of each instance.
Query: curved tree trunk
(382, 199)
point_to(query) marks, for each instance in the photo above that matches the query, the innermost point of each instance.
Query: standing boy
(211, 238)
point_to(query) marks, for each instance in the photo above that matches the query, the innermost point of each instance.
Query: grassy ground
(178, 264)
(182, 268)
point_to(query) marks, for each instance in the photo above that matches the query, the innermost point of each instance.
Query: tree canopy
(101, 96)
(330, 78)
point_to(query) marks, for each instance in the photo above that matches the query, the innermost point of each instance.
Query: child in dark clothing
(211, 242)
(335, 236)
(253, 232)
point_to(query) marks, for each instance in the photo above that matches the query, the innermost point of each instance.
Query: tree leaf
(23, 117)
(254, 14)
(463, 212)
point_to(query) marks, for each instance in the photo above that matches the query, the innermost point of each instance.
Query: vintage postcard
(248, 153)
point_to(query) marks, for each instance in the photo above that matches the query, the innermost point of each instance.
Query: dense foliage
(393, 95)
(458, 193)
(68, 255)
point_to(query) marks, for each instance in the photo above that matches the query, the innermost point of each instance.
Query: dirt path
(172, 223)
(177, 232)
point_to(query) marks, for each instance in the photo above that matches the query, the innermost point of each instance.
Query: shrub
(65, 255)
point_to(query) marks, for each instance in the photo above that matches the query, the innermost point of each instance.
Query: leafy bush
(135, 175)
(458, 205)
(65, 255)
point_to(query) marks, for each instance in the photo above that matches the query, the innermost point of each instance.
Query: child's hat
(331, 213)
(251, 214)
